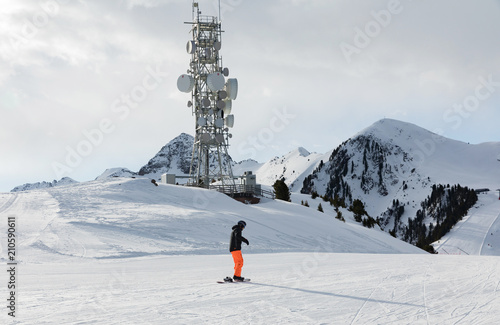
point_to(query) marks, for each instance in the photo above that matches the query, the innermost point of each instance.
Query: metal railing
(239, 189)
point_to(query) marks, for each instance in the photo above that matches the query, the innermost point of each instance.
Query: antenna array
(211, 102)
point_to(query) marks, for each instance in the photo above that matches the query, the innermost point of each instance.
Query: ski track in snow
(473, 234)
(13, 197)
(424, 282)
(366, 301)
(496, 220)
(286, 288)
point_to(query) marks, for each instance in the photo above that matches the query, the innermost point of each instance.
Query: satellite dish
(205, 102)
(230, 121)
(232, 88)
(202, 121)
(191, 47)
(222, 94)
(185, 83)
(230, 135)
(205, 137)
(225, 72)
(217, 45)
(190, 103)
(219, 138)
(215, 81)
(221, 104)
(227, 108)
(219, 123)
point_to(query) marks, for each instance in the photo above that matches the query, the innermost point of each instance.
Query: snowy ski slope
(123, 251)
(478, 233)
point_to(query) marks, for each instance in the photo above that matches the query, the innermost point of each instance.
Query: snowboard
(230, 280)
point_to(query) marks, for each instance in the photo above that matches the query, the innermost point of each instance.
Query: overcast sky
(88, 85)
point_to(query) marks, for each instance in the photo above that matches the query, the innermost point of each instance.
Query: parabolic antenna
(225, 72)
(202, 121)
(219, 123)
(191, 47)
(205, 102)
(221, 104)
(232, 88)
(222, 94)
(215, 81)
(217, 45)
(227, 108)
(185, 83)
(219, 138)
(230, 121)
(205, 137)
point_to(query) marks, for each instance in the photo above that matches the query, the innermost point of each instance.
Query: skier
(235, 249)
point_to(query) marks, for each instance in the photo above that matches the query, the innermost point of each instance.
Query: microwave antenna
(212, 94)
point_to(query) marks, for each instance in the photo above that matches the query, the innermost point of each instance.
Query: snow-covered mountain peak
(393, 163)
(400, 133)
(302, 152)
(183, 137)
(174, 157)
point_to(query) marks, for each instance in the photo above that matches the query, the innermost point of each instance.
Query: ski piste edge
(246, 280)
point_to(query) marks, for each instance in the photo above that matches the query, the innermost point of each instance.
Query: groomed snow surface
(123, 251)
(476, 234)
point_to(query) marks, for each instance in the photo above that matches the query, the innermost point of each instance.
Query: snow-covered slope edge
(41, 185)
(123, 217)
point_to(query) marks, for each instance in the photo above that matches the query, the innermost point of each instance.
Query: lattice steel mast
(211, 102)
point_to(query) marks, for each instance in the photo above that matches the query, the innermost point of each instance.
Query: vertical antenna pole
(220, 18)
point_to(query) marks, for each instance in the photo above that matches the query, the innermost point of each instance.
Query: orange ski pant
(238, 262)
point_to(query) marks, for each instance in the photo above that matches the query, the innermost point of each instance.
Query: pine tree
(339, 216)
(358, 208)
(281, 190)
(320, 208)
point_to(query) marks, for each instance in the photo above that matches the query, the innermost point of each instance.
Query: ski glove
(245, 241)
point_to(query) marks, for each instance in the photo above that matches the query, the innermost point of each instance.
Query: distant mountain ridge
(42, 185)
(379, 158)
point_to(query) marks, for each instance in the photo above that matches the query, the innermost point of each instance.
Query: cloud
(62, 68)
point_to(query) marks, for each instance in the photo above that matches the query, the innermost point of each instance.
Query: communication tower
(211, 102)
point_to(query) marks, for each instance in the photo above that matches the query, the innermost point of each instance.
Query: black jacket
(236, 239)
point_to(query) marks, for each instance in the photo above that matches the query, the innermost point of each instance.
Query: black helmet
(242, 224)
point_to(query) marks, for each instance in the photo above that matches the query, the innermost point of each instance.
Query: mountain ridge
(396, 169)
